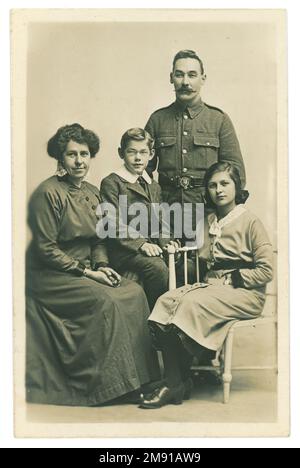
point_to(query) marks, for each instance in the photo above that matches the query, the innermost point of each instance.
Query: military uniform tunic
(187, 142)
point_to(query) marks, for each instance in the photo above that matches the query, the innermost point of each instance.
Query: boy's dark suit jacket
(111, 188)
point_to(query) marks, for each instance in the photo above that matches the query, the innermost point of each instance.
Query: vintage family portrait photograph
(150, 223)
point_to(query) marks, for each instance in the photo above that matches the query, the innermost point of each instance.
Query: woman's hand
(112, 275)
(104, 275)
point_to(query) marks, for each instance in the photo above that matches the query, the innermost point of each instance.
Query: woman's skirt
(205, 314)
(87, 343)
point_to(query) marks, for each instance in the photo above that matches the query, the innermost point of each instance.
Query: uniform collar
(192, 111)
(132, 178)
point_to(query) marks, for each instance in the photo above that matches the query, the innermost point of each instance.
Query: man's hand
(151, 250)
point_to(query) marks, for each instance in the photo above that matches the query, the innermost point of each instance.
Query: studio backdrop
(111, 76)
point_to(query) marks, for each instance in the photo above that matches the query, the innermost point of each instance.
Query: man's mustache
(184, 89)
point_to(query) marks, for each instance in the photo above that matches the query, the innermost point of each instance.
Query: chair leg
(227, 376)
(217, 366)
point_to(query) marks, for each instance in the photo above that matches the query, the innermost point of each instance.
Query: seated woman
(87, 333)
(194, 320)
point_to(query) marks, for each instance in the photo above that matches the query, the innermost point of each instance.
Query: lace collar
(62, 174)
(60, 170)
(215, 226)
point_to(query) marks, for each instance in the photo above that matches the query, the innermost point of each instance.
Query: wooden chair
(222, 365)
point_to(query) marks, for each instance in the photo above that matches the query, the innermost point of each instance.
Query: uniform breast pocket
(165, 147)
(206, 149)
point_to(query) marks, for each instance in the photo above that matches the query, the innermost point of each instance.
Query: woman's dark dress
(87, 343)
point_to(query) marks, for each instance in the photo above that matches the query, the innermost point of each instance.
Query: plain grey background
(112, 76)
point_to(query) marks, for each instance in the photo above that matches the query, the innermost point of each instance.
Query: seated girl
(195, 319)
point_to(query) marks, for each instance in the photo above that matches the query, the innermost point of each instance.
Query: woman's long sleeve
(99, 255)
(44, 216)
(262, 272)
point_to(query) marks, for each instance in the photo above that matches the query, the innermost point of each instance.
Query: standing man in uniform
(190, 135)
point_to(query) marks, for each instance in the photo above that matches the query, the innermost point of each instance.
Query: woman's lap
(206, 314)
(86, 341)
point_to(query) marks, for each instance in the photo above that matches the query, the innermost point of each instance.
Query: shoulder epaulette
(213, 107)
(162, 108)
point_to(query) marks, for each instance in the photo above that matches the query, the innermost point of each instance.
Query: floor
(253, 399)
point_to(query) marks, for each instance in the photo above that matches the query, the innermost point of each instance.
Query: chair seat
(254, 322)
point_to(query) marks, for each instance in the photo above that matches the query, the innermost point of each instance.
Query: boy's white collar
(132, 178)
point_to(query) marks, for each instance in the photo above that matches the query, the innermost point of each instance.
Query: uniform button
(185, 116)
(208, 143)
(87, 198)
(184, 151)
(185, 133)
(162, 144)
(93, 207)
(184, 169)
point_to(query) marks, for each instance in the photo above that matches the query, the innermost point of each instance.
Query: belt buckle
(184, 182)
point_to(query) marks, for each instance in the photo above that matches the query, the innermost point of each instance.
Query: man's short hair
(188, 54)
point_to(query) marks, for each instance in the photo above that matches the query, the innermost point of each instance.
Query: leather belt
(232, 265)
(184, 182)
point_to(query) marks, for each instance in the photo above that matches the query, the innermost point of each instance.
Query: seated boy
(142, 254)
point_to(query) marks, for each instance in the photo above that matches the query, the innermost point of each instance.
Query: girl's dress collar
(215, 226)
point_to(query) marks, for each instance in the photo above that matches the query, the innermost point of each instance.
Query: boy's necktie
(143, 184)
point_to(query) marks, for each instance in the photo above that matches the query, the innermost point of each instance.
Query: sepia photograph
(150, 223)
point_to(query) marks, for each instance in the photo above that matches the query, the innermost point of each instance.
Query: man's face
(187, 79)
